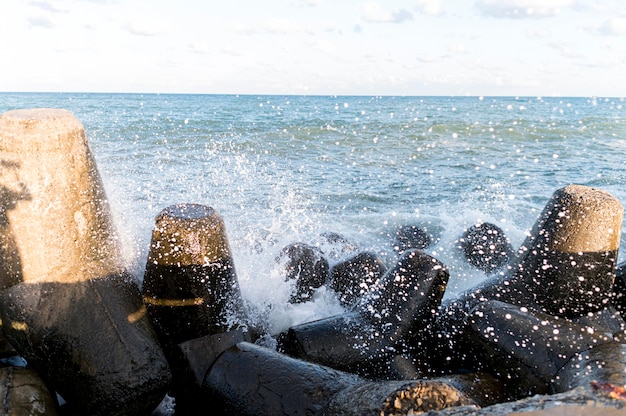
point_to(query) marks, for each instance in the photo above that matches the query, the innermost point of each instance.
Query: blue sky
(391, 47)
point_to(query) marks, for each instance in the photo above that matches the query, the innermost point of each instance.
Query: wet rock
(604, 363)
(607, 320)
(582, 401)
(411, 237)
(192, 362)
(346, 342)
(486, 247)
(566, 266)
(353, 277)
(81, 339)
(336, 246)
(307, 266)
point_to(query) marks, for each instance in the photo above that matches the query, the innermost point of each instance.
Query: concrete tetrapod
(190, 290)
(67, 304)
(306, 266)
(410, 237)
(366, 339)
(619, 288)
(529, 350)
(24, 393)
(190, 286)
(565, 267)
(486, 247)
(247, 379)
(353, 278)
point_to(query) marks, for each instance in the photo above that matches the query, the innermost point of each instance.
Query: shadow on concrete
(12, 190)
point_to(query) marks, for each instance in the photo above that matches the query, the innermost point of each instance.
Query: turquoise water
(281, 169)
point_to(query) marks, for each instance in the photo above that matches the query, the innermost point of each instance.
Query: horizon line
(479, 96)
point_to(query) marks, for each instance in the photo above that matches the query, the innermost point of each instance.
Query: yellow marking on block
(19, 326)
(137, 315)
(173, 302)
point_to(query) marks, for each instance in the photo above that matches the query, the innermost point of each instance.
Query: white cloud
(537, 33)
(373, 12)
(199, 48)
(145, 27)
(615, 26)
(566, 50)
(272, 27)
(466, 51)
(457, 48)
(47, 6)
(40, 21)
(429, 7)
(325, 46)
(524, 9)
(281, 27)
(430, 59)
(309, 3)
(230, 50)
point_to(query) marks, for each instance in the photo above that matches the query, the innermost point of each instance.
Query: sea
(284, 169)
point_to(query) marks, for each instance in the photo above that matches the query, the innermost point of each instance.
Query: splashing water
(284, 169)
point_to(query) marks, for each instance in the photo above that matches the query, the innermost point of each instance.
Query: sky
(321, 47)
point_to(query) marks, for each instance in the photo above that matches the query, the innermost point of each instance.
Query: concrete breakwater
(545, 324)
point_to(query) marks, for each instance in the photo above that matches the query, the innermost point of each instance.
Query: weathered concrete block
(528, 349)
(56, 224)
(353, 278)
(250, 380)
(307, 266)
(409, 237)
(486, 247)
(24, 393)
(190, 291)
(380, 326)
(565, 267)
(190, 286)
(68, 305)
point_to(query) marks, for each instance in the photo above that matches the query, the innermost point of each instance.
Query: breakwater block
(190, 286)
(247, 379)
(565, 267)
(486, 247)
(411, 236)
(307, 266)
(353, 278)
(366, 339)
(191, 293)
(619, 288)
(68, 305)
(567, 264)
(529, 350)
(24, 393)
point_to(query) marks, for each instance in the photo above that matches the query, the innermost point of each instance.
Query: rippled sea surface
(281, 169)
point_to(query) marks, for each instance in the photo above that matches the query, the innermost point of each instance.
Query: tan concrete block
(55, 223)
